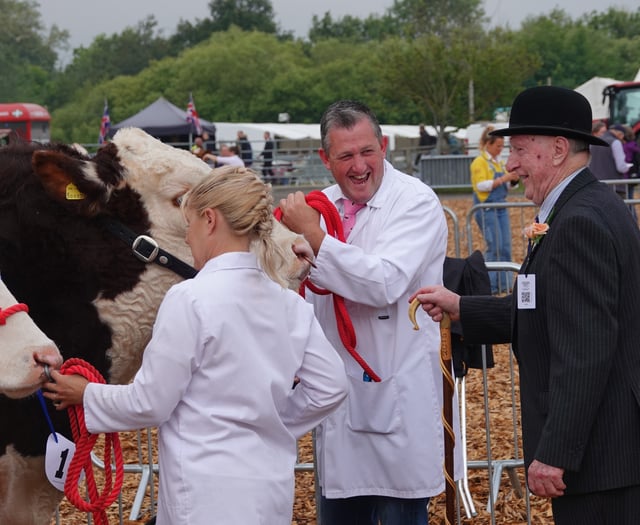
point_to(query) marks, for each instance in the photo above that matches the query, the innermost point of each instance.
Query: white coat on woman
(217, 379)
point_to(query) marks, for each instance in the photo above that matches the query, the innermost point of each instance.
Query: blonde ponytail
(247, 205)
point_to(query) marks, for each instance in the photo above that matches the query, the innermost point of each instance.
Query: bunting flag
(192, 116)
(105, 124)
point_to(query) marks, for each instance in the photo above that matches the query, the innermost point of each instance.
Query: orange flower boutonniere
(535, 231)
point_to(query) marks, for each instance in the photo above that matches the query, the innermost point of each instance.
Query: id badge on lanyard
(526, 291)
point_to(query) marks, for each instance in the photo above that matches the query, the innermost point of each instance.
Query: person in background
(267, 156)
(228, 157)
(607, 163)
(426, 143)
(208, 142)
(380, 455)
(198, 148)
(599, 128)
(631, 150)
(244, 147)
(491, 183)
(216, 378)
(572, 319)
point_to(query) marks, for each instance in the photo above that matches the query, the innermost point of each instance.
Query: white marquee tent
(228, 131)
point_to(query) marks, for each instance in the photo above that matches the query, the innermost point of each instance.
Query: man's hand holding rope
(301, 218)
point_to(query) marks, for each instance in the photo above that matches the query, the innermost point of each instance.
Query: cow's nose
(47, 356)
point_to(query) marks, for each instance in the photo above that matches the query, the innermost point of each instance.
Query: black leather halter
(146, 249)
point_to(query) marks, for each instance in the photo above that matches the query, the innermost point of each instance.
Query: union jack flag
(192, 116)
(105, 124)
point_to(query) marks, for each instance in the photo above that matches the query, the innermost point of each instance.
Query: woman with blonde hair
(218, 375)
(491, 183)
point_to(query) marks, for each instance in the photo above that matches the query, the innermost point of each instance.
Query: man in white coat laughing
(381, 454)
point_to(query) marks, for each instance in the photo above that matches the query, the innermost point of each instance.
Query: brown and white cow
(84, 287)
(24, 349)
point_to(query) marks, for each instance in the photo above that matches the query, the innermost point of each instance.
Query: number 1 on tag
(57, 460)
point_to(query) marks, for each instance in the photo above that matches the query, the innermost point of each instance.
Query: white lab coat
(387, 438)
(217, 379)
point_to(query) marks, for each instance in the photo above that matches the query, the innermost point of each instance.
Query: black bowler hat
(551, 111)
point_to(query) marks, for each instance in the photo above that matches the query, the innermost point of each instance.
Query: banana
(413, 308)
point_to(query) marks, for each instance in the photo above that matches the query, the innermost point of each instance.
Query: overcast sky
(85, 19)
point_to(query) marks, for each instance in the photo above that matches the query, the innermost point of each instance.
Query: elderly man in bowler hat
(572, 318)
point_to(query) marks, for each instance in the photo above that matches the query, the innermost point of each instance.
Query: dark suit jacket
(267, 152)
(579, 349)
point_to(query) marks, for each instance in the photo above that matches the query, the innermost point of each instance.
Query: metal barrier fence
(451, 215)
(494, 466)
(445, 171)
(523, 214)
(287, 170)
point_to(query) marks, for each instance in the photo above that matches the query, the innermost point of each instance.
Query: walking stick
(447, 408)
(447, 417)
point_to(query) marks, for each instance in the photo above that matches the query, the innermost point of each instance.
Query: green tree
(615, 23)
(351, 28)
(79, 120)
(501, 66)
(250, 15)
(437, 17)
(434, 60)
(347, 70)
(189, 34)
(230, 75)
(414, 75)
(222, 89)
(435, 74)
(235, 76)
(28, 54)
(570, 52)
(125, 53)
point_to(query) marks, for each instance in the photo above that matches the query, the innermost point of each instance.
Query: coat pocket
(373, 407)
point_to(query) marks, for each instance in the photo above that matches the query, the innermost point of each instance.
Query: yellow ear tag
(73, 193)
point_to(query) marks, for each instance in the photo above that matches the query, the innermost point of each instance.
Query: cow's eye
(177, 200)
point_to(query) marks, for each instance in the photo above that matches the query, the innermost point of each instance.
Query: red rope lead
(6, 312)
(97, 503)
(319, 201)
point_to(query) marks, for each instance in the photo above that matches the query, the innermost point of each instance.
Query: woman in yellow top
(491, 183)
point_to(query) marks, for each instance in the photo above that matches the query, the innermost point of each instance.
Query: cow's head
(24, 349)
(134, 168)
(137, 166)
(139, 181)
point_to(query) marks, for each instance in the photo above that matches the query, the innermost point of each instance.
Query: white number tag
(57, 459)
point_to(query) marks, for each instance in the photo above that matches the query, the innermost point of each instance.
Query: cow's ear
(70, 181)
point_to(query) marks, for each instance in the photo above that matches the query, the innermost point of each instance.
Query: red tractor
(624, 104)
